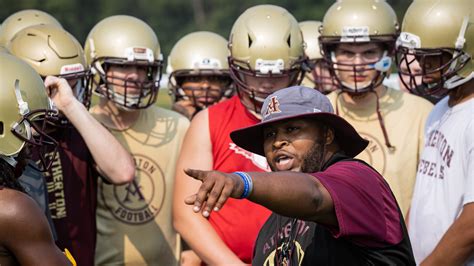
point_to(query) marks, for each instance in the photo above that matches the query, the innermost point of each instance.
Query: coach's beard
(313, 159)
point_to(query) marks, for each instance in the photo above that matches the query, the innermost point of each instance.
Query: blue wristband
(248, 184)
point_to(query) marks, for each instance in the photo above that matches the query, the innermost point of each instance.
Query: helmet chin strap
(80, 91)
(11, 160)
(388, 144)
(259, 99)
(457, 80)
(22, 105)
(130, 100)
(23, 109)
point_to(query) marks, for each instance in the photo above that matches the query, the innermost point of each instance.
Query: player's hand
(184, 107)
(190, 258)
(215, 189)
(59, 92)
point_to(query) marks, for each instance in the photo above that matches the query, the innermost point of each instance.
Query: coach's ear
(330, 136)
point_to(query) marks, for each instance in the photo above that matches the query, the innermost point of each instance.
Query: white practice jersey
(445, 178)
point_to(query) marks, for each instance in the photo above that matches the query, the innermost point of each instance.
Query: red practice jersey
(239, 221)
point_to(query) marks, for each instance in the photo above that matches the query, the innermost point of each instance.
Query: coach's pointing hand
(216, 188)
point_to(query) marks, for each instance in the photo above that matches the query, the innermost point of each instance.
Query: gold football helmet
(439, 37)
(124, 41)
(22, 19)
(265, 42)
(25, 110)
(318, 75)
(196, 56)
(354, 22)
(53, 51)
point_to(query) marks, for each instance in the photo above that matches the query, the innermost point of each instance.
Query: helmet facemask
(219, 84)
(34, 128)
(370, 61)
(79, 82)
(437, 66)
(129, 100)
(273, 70)
(266, 53)
(320, 75)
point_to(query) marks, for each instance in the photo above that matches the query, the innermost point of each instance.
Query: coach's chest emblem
(141, 200)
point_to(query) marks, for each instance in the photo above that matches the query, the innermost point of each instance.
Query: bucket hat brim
(251, 138)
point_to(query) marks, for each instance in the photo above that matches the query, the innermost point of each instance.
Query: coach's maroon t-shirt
(370, 231)
(72, 193)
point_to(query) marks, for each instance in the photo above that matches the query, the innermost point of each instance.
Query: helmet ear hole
(288, 40)
(22, 20)
(1, 128)
(250, 41)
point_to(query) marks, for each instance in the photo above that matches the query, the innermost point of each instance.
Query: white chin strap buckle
(259, 99)
(9, 159)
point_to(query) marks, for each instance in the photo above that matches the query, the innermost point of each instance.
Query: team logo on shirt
(55, 185)
(284, 247)
(374, 154)
(139, 201)
(297, 255)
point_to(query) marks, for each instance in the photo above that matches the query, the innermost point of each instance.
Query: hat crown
(293, 101)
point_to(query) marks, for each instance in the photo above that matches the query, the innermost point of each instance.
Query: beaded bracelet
(248, 184)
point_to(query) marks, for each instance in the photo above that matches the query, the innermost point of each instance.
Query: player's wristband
(248, 184)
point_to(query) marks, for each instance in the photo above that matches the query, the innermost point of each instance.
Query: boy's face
(127, 78)
(204, 91)
(264, 86)
(433, 67)
(354, 63)
(410, 73)
(324, 82)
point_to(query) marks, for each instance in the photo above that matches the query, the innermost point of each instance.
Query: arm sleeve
(366, 210)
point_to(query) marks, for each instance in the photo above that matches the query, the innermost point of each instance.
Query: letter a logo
(273, 106)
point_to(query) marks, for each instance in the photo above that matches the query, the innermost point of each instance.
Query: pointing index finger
(196, 174)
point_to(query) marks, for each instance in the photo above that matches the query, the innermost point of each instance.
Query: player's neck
(363, 99)
(251, 107)
(462, 94)
(257, 115)
(116, 118)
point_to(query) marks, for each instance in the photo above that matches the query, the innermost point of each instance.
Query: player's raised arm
(196, 152)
